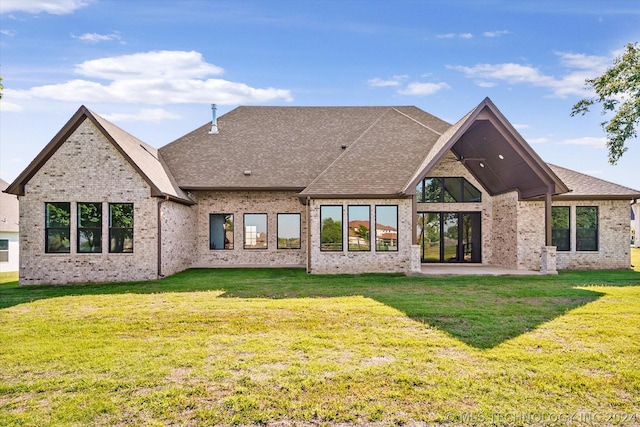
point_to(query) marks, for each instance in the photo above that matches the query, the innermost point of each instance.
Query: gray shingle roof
(291, 147)
(585, 186)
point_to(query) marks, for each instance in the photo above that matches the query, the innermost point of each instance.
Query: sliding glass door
(449, 236)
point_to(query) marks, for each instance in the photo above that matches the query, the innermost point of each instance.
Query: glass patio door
(449, 236)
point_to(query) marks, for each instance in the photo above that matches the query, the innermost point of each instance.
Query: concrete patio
(472, 270)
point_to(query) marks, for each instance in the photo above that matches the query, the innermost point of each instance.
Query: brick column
(415, 267)
(548, 260)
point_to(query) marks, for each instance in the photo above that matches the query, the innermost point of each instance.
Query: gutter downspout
(159, 215)
(308, 235)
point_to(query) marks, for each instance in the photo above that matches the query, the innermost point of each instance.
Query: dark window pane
(471, 193)
(331, 228)
(90, 227)
(359, 228)
(58, 215)
(432, 190)
(57, 227)
(586, 228)
(453, 190)
(4, 244)
(386, 228)
(560, 228)
(221, 231)
(121, 227)
(289, 231)
(57, 240)
(255, 231)
(431, 243)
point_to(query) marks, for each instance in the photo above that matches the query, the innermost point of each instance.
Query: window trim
(244, 231)
(341, 249)
(349, 228)
(132, 228)
(397, 247)
(79, 228)
(47, 228)
(299, 230)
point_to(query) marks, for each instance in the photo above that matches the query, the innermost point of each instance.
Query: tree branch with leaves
(618, 90)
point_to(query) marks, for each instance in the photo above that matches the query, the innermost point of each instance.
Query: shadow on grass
(481, 311)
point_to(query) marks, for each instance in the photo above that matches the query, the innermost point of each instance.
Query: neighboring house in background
(9, 230)
(274, 186)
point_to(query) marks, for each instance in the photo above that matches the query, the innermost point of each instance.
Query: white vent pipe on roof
(214, 122)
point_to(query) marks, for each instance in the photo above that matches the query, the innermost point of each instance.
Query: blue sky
(154, 67)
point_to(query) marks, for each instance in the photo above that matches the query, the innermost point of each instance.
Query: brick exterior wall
(178, 237)
(86, 168)
(345, 261)
(613, 236)
(239, 203)
(504, 225)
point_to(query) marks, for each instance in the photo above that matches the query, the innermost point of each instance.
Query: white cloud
(9, 107)
(154, 78)
(492, 34)
(96, 38)
(588, 141)
(521, 126)
(166, 64)
(537, 140)
(145, 115)
(419, 89)
(578, 68)
(393, 81)
(54, 7)
(8, 33)
(455, 36)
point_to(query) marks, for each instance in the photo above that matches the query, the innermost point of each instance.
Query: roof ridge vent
(214, 122)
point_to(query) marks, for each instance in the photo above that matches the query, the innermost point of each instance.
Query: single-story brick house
(275, 186)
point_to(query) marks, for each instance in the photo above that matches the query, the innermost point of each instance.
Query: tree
(618, 90)
(1, 87)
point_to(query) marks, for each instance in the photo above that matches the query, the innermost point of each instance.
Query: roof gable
(495, 153)
(142, 157)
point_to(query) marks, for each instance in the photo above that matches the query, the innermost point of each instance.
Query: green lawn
(276, 345)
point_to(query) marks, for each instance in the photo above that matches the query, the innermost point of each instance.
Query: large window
(387, 228)
(121, 227)
(560, 228)
(90, 227)
(447, 190)
(586, 228)
(331, 228)
(4, 250)
(57, 227)
(289, 231)
(220, 231)
(359, 228)
(255, 231)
